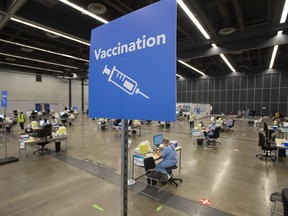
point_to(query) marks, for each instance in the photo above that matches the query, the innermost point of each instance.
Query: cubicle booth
(200, 110)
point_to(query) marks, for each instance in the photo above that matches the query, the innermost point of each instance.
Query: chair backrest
(265, 127)
(149, 163)
(233, 121)
(285, 201)
(261, 141)
(217, 132)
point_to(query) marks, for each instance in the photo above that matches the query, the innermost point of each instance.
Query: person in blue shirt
(211, 131)
(169, 156)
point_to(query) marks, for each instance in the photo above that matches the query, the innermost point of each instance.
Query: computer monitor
(157, 139)
(285, 124)
(42, 121)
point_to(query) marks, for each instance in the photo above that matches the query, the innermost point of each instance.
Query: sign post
(132, 72)
(4, 99)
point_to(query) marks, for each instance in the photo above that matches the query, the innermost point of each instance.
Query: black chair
(43, 134)
(154, 178)
(172, 179)
(267, 147)
(214, 138)
(42, 149)
(267, 132)
(285, 201)
(274, 198)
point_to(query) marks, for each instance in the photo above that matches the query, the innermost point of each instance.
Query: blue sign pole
(132, 71)
(4, 99)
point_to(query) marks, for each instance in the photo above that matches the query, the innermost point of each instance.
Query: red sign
(205, 201)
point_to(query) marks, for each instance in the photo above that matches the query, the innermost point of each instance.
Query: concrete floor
(231, 177)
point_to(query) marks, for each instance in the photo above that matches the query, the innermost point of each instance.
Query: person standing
(21, 120)
(191, 120)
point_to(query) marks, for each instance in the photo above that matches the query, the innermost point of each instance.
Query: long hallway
(86, 179)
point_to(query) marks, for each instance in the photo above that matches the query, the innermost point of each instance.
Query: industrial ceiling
(243, 31)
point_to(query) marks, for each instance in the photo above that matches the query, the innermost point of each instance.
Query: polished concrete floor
(85, 180)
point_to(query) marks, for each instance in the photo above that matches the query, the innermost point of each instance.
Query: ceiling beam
(238, 11)
(249, 44)
(12, 10)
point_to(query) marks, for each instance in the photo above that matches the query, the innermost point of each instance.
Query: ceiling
(245, 31)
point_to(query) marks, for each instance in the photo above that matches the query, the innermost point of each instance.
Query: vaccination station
(151, 107)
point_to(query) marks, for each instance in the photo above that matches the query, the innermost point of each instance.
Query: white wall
(24, 91)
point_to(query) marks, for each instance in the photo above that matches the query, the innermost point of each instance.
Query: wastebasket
(57, 146)
(199, 141)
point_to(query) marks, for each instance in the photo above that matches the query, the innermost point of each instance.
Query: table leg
(277, 156)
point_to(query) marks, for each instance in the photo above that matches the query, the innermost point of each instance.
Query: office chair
(42, 149)
(266, 147)
(275, 197)
(214, 138)
(153, 177)
(172, 179)
(151, 174)
(267, 132)
(43, 134)
(285, 201)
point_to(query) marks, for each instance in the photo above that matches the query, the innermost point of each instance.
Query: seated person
(209, 133)
(228, 124)
(169, 156)
(116, 122)
(45, 123)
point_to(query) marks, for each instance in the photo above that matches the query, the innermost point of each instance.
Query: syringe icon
(123, 81)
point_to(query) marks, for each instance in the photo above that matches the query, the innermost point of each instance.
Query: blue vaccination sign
(4, 98)
(132, 70)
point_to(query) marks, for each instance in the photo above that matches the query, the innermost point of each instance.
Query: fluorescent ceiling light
(187, 65)
(43, 50)
(48, 30)
(279, 32)
(284, 12)
(36, 60)
(227, 62)
(193, 18)
(273, 56)
(27, 66)
(225, 59)
(84, 11)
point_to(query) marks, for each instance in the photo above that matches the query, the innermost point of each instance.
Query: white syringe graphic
(123, 81)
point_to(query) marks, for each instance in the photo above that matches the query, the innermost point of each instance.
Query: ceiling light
(43, 50)
(227, 31)
(27, 66)
(50, 35)
(284, 12)
(279, 32)
(97, 8)
(84, 11)
(187, 65)
(273, 56)
(48, 30)
(214, 45)
(36, 60)
(193, 18)
(227, 62)
(26, 49)
(10, 59)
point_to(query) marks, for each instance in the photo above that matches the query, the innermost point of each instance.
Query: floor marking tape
(159, 208)
(98, 207)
